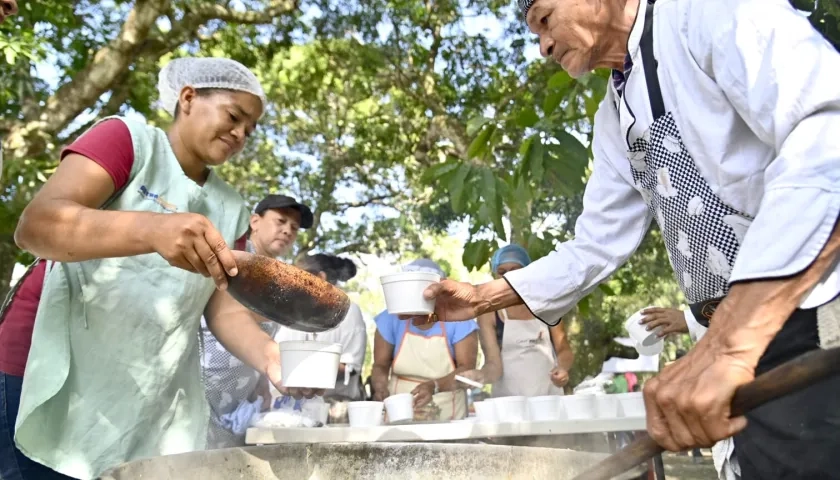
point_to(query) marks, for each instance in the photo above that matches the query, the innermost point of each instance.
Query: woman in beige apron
(522, 355)
(421, 357)
(528, 358)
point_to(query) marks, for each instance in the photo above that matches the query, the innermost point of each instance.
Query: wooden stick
(787, 378)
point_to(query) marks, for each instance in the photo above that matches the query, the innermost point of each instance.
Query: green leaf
(11, 56)
(606, 289)
(493, 200)
(523, 149)
(552, 100)
(584, 306)
(476, 253)
(559, 80)
(536, 159)
(592, 104)
(480, 146)
(458, 186)
(475, 124)
(439, 171)
(527, 117)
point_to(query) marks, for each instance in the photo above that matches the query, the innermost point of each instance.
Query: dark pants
(14, 465)
(798, 436)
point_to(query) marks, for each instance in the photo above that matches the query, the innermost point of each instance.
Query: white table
(435, 432)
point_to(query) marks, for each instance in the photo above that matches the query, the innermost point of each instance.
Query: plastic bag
(594, 386)
(288, 412)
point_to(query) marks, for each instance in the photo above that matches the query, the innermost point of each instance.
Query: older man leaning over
(721, 123)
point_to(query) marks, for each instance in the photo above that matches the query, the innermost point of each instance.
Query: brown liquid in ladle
(286, 294)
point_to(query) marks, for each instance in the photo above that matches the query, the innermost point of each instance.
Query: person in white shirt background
(522, 355)
(273, 230)
(351, 333)
(721, 124)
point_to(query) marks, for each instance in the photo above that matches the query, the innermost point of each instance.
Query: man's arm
(688, 405)
(614, 221)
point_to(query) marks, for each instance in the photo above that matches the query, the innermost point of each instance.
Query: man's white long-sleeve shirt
(754, 91)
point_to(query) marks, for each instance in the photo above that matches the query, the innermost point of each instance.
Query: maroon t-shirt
(109, 145)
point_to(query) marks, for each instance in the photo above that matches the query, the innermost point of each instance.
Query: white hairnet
(205, 73)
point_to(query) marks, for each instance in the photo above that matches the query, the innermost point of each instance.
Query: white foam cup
(647, 343)
(511, 409)
(365, 414)
(404, 292)
(580, 407)
(606, 406)
(400, 407)
(544, 408)
(309, 364)
(631, 404)
(485, 412)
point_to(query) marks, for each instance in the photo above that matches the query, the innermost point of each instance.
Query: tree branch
(138, 36)
(89, 84)
(374, 200)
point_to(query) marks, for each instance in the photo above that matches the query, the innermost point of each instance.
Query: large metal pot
(364, 461)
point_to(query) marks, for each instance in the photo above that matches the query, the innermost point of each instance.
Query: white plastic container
(485, 412)
(647, 343)
(404, 292)
(606, 406)
(365, 414)
(309, 364)
(579, 407)
(511, 409)
(400, 407)
(544, 408)
(631, 404)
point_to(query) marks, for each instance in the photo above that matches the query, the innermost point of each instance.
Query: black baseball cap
(283, 201)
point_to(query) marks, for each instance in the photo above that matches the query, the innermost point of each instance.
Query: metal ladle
(286, 294)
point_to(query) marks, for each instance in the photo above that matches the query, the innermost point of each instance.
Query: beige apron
(527, 359)
(421, 359)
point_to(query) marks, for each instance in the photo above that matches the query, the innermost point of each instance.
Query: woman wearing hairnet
(522, 355)
(135, 229)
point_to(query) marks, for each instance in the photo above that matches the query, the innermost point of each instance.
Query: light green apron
(113, 374)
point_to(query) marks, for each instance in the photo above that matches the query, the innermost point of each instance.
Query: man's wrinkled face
(567, 32)
(8, 8)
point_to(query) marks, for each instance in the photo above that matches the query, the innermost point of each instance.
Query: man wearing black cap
(275, 224)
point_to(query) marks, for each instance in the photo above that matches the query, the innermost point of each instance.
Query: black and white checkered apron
(795, 437)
